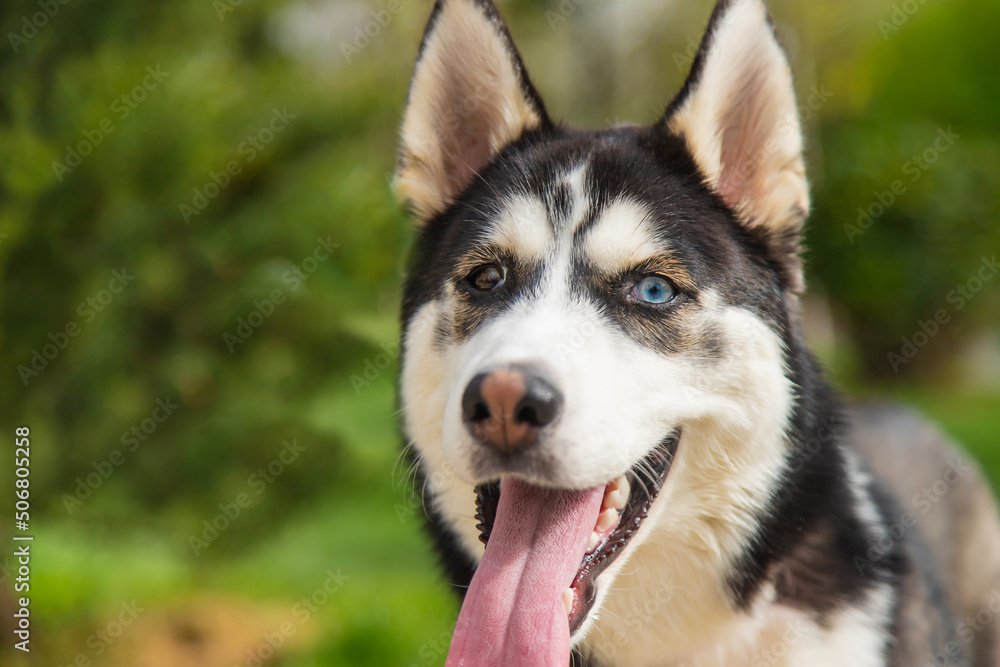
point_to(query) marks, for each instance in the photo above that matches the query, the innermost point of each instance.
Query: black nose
(505, 408)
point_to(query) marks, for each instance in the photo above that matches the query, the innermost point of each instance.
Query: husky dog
(604, 382)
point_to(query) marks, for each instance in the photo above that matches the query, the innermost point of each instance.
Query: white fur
(857, 635)
(522, 229)
(860, 484)
(623, 238)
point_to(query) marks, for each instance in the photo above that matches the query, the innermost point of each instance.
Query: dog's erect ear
(470, 96)
(738, 116)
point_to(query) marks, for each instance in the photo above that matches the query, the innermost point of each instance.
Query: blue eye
(654, 289)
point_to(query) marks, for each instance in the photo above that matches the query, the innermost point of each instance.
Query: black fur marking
(559, 204)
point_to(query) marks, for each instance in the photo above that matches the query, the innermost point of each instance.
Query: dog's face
(593, 319)
(597, 263)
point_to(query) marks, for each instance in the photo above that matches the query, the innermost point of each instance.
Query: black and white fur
(779, 535)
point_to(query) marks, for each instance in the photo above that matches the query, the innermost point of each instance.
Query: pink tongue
(513, 614)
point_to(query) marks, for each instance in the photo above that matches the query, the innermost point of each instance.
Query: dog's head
(594, 323)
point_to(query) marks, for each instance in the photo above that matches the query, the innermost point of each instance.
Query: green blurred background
(266, 311)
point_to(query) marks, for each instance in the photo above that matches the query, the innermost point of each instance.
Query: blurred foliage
(321, 181)
(897, 99)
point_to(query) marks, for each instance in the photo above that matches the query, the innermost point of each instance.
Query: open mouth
(624, 505)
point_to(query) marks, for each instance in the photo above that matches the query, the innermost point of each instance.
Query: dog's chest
(782, 637)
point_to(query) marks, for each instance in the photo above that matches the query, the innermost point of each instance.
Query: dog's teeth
(595, 539)
(624, 487)
(568, 598)
(617, 492)
(607, 520)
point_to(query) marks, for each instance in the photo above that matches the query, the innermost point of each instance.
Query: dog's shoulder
(941, 508)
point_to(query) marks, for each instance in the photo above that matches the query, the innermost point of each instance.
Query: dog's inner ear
(738, 117)
(469, 97)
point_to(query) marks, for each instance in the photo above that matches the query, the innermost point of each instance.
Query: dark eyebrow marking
(559, 203)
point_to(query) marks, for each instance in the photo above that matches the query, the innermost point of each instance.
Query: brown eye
(488, 277)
